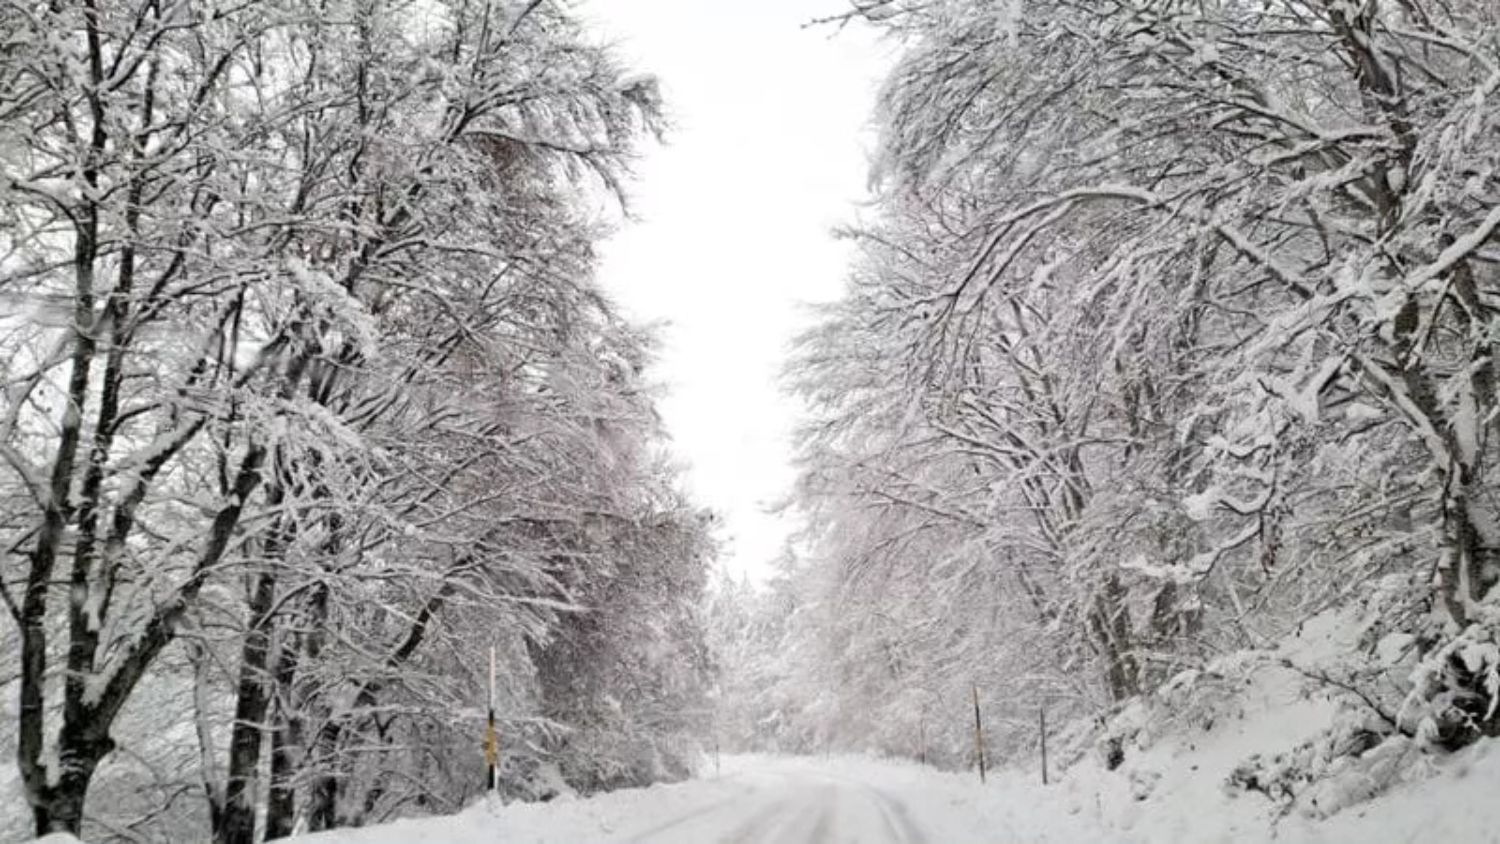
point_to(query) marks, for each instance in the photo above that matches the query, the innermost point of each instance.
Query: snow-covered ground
(1169, 789)
(771, 800)
(753, 799)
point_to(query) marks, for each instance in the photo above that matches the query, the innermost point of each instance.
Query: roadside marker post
(922, 734)
(492, 738)
(1041, 716)
(978, 734)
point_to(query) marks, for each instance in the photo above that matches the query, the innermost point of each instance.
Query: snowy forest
(1168, 346)
(1173, 327)
(310, 399)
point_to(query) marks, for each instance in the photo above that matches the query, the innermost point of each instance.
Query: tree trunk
(1111, 628)
(61, 807)
(251, 705)
(333, 771)
(286, 740)
(1461, 561)
(84, 739)
(323, 796)
(323, 756)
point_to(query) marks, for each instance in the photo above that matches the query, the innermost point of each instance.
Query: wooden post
(1041, 715)
(491, 738)
(922, 734)
(978, 734)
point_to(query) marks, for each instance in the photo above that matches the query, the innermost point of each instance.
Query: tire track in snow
(893, 813)
(817, 809)
(762, 822)
(786, 821)
(645, 836)
(897, 819)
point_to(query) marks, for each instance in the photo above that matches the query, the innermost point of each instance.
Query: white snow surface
(1170, 789)
(800, 800)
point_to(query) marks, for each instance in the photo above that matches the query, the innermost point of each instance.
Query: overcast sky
(768, 154)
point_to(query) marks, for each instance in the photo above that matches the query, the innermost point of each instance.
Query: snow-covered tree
(1190, 305)
(300, 348)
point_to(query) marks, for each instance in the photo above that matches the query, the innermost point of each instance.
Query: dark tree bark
(84, 739)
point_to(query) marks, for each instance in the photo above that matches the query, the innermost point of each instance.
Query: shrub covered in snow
(1455, 688)
(1353, 760)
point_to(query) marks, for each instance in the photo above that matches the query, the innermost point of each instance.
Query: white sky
(768, 153)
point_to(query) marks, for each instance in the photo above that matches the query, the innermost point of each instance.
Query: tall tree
(303, 334)
(1172, 285)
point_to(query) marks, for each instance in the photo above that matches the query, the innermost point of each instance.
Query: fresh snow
(802, 800)
(1170, 789)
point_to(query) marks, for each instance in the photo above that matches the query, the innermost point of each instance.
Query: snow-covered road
(856, 800)
(792, 803)
(754, 800)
